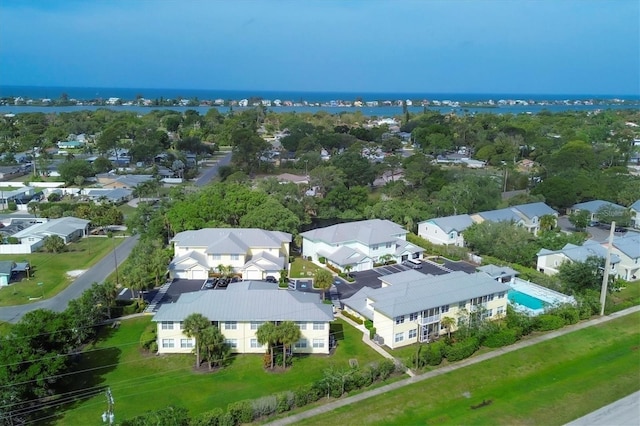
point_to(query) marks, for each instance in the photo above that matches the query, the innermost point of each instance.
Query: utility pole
(108, 416)
(607, 266)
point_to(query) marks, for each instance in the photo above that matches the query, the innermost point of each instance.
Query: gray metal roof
(412, 291)
(495, 271)
(581, 253)
(246, 301)
(231, 240)
(635, 206)
(403, 246)
(344, 256)
(532, 210)
(501, 215)
(457, 223)
(6, 266)
(595, 205)
(63, 226)
(373, 231)
(628, 244)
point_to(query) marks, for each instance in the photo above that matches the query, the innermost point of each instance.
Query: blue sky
(474, 46)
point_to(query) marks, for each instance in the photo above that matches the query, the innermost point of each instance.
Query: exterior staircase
(153, 306)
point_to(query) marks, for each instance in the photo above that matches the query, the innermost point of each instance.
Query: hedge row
(353, 318)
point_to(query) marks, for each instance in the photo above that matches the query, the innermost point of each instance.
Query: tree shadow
(337, 330)
(84, 379)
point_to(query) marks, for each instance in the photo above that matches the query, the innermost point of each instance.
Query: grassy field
(301, 268)
(142, 382)
(51, 269)
(548, 384)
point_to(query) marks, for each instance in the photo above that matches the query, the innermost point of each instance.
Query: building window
(452, 235)
(216, 257)
(400, 319)
(181, 325)
(413, 333)
(399, 337)
(444, 308)
(233, 343)
(255, 325)
(303, 325)
(500, 311)
(387, 245)
(235, 257)
(254, 343)
(302, 343)
(167, 325)
(413, 316)
(318, 343)
(186, 343)
(318, 326)
(230, 325)
(462, 304)
(168, 343)
(501, 295)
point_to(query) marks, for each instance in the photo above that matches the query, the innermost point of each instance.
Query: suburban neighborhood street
(98, 273)
(212, 171)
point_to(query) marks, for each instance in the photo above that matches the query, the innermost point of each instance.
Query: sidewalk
(469, 361)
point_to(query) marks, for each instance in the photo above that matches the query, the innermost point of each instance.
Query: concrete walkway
(444, 370)
(367, 341)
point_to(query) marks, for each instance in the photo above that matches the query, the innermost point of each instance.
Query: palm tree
(322, 279)
(193, 326)
(547, 222)
(448, 322)
(347, 269)
(221, 268)
(289, 334)
(214, 347)
(267, 334)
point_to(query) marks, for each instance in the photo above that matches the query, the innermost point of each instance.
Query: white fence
(17, 249)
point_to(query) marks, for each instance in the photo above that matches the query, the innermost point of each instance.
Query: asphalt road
(212, 171)
(98, 273)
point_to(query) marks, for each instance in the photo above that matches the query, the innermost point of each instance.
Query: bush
(368, 324)
(209, 418)
(53, 197)
(461, 350)
(569, 313)
(372, 333)
(547, 322)
(501, 338)
(352, 317)
(264, 406)
(322, 260)
(386, 368)
(285, 401)
(12, 206)
(301, 396)
(241, 411)
(148, 336)
(518, 320)
(431, 354)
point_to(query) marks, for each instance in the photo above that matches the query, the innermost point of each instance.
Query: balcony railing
(429, 320)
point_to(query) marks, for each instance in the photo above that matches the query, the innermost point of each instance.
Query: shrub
(301, 396)
(547, 322)
(461, 350)
(264, 406)
(501, 338)
(569, 313)
(368, 324)
(12, 206)
(53, 197)
(285, 401)
(431, 354)
(352, 317)
(517, 320)
(322, 259)
(372, 333)
(241, 411)
(153, 347)
(208, 418)
(386, 368)
(148, 336)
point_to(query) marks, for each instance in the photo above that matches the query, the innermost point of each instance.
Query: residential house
(410, 306)
(70, 144)
(253, 253)
(635, 214)
(593, 206)
(627, 249)
(525, 215)
(112, 180)
(356, 246)
(445, 230)
(116, 195)
(6, 271)
(10, 172)
(20, 196)
(68, 228)
(549, 261)
(239, 311)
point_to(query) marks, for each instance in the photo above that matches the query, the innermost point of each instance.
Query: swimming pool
(524, 299)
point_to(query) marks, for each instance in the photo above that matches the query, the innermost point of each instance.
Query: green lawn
(51, 269)
(301, 268)
(141, 382)
(550, 383)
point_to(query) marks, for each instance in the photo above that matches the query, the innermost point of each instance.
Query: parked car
(620, 229)
(210, 283)
(271, 279)
(594, 223)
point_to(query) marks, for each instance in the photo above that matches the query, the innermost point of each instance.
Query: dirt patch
(76, 273)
